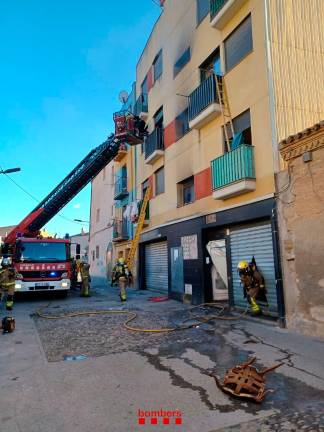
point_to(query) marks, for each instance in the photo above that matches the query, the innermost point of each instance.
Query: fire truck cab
(43, 264)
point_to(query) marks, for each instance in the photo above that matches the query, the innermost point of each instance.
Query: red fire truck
(45, 263)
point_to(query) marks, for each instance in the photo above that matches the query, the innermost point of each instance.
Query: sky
(63, 64)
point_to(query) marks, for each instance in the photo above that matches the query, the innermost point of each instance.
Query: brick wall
(300, 190)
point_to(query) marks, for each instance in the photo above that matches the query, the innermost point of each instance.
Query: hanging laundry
(134, 212)
(127, 212)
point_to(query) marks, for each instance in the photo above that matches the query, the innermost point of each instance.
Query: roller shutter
(246, 242)
(156, 266)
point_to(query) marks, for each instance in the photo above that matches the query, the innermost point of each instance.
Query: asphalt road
(90, 374)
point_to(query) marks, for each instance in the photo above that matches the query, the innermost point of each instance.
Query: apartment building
(102, 215)
(212, 201)
(210, 156)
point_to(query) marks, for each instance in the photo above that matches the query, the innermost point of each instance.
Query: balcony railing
(215, 7)
(141, 105)
(120, 231)
(120, 188)
(202, 97)
(233, 166)
(154, 142)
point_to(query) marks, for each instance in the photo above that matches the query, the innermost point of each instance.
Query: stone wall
(300, 196)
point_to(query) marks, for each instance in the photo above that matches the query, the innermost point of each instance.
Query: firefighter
(253, 285)
(122, 275)
(85, 279)
(7, 282)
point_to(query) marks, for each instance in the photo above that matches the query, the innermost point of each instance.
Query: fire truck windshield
(42, 252)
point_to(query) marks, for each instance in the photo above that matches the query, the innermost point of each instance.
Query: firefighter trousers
(9, 288)
(122, 287)
(85, 287)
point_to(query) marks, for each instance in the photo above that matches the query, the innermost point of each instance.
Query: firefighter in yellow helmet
(122, 275)
(253, 285)
(85, 278)
(7, 282)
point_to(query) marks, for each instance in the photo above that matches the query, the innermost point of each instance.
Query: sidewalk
(124, 372)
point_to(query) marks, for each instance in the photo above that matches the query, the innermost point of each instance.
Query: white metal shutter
(246, 242)
(156, 266)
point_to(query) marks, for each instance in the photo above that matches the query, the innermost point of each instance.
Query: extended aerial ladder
(126, 130)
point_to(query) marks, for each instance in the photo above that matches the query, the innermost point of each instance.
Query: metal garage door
(156, 266)
(246, 242)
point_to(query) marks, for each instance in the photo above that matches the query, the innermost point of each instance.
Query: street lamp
(10, 170)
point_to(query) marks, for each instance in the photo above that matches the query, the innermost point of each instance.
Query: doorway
(218, 269)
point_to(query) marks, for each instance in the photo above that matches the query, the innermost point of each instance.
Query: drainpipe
(278, 267)
(272, 99)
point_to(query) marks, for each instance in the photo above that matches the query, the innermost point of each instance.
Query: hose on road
(200, 319)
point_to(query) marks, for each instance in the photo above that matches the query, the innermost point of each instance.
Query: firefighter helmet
(5, 262)
(121, 260)
(243, 265)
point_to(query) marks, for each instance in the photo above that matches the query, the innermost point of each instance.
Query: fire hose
(133, 315)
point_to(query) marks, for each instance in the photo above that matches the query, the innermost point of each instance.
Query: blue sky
(63, 64)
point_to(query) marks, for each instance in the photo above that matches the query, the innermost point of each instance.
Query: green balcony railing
(216, 6)
(233, 166)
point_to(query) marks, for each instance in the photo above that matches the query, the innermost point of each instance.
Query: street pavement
(90, 374)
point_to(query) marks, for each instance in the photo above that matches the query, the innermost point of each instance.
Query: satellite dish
(123, 96)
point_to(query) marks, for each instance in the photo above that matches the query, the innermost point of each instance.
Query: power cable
(36, 199)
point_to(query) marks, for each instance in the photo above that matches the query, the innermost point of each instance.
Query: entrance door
(217, 252)
(156, 266)
(248, 242)
(177, 280)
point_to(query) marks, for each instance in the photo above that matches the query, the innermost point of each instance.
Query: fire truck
(45, 264)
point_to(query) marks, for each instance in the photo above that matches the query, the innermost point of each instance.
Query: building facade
(211, 153)
(81, 239)
(101, 225)
(213, 190)
(300, 191)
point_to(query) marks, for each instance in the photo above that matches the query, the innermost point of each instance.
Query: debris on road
(245, 381)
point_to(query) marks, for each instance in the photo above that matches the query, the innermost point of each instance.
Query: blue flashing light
(53, 274)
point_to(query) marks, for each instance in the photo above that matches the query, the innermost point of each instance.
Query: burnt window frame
(182, 186)
(182, 61)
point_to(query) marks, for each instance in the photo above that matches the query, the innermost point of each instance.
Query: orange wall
(203, 184)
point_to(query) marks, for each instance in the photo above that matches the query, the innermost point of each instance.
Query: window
(93, 255)
(181, 62)
(242, 131)
(97, 215)
(186, 192)
(159, 181)
(182, 124)
(202, 10)
(144, 87)
(97, 252)
(158, 118)
(238, 44)
(158, 66)
(212, 65)
(145, 185)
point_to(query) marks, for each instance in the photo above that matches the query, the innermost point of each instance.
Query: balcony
(154, 146)
(121, 188)
(233, 173)
(203, 104)
(141, 106)
(222, 11)
(122, 152)
(120, 232)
